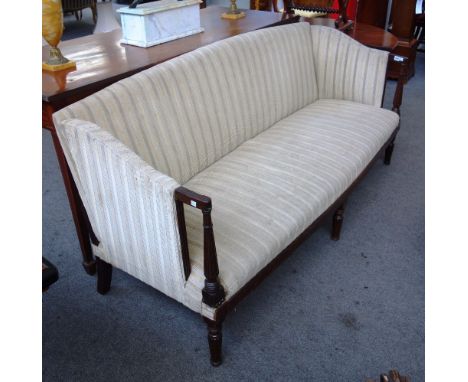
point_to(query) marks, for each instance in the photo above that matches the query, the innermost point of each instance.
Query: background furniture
(322, 7)
(77, 6)
(101, 60)
(419, 32)
(368, 35)
(401, 23)
(403, 27)
(49, 274)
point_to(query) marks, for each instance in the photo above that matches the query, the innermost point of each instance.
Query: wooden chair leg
(215, 339)
(104, 276)
(389, 152)
(337, 223)
(94, 11)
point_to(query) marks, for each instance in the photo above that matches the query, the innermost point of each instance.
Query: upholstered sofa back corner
(183, 115)
(346, 69)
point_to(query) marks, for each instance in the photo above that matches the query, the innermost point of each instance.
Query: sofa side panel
(346, 69)
(130, 206)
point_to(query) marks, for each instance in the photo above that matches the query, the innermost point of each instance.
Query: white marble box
(160, 21)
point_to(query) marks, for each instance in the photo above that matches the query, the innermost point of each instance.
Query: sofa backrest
(346, 69)
(183, 115)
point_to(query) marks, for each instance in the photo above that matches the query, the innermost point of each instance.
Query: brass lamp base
(233, 16)
(56, 61)
(57, 67)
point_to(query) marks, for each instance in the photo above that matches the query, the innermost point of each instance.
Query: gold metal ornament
(233, 13)
(52, 30)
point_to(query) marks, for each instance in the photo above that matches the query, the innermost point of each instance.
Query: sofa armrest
(129, 203)
(398, 96)
(345, 69)
(213, 293)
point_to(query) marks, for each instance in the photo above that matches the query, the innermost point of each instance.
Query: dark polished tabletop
(101, 59)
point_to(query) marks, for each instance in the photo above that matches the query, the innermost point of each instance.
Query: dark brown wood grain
(369, 35)
(403, 18)
(372, 12)
(403, 27)
(183, 237)
(373, 37)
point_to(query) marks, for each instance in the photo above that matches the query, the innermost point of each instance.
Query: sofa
(201, 174)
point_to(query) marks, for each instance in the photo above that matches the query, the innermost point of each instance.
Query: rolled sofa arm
(129, 203)
(345, 69)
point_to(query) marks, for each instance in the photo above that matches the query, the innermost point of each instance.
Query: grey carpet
(334, 311)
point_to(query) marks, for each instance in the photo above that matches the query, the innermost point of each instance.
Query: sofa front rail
(213, 293)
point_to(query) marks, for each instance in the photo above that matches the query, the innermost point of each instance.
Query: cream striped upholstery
(217, 121)
(347, 69)
(275, 185)
(185, 114)
(130, 206)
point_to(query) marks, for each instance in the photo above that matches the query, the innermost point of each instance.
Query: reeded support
(213, 292)
(398, 97)
(104, 276)
(337, 223)
(215, 341)
(389, 152)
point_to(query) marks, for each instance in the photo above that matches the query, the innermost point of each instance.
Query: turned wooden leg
(104, 276)
(388, 152)
(337, 223)
(215, 339)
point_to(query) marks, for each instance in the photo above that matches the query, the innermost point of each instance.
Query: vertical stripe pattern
(130, 206)
(271, 188)
(272, 150)
(346, 69)
(183, 115)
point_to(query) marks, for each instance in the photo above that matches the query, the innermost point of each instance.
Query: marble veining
(168, 23)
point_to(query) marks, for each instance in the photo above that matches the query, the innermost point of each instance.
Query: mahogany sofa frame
(213, 293)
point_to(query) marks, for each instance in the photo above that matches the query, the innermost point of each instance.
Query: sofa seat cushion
(272, 187)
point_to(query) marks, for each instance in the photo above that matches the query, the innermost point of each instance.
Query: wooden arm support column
(343, 8)
(213, 293)
(398, 97)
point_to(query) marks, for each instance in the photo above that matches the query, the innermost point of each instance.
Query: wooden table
(102, 60)
(366, 34)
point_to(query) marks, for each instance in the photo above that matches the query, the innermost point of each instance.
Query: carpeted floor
(334, 311)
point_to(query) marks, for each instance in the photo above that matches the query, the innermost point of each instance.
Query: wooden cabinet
(373, 12)
(402, 20)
